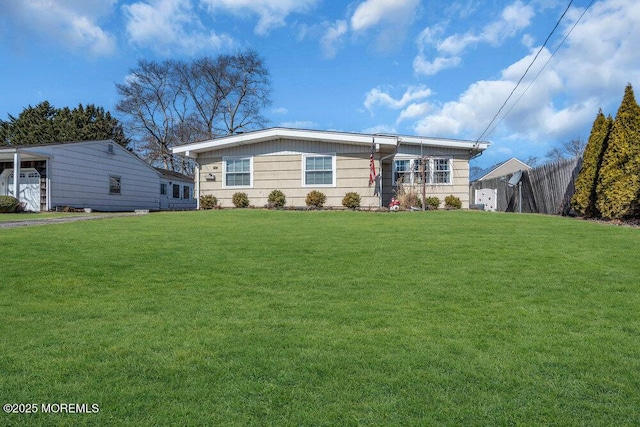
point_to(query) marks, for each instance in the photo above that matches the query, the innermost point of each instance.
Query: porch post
(16, 175)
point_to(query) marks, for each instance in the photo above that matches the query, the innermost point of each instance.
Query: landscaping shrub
(452, 202)
(9, 204)
(618, 182)
(351, 200)
(240, 200)
(316, 199)
(433, 203)
(208, 201)
(276, 199)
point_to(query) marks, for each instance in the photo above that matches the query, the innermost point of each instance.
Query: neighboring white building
(176, 191)
(297, 161)
(100, 175)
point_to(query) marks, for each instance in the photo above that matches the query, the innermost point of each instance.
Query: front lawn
(253, 317)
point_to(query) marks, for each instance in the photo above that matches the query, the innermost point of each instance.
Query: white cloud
(414, 111)
(300, 124)
(71, 23)
(167, 25)
(332, 38)
(429, 68)
(381, 129)
(391, 18)
(377, 96)
(272, 13)
(373, 12)
(280, 110)
(514, 18)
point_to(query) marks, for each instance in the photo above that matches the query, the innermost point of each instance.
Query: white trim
(192, 150)
(224, 171)
(304, 170)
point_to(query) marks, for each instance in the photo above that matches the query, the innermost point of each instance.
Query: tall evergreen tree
(45, 124)
(619, 179)
(584, 198)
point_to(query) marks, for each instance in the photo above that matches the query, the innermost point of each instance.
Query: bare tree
(173, 102)
(248, 91)
(149, 99)
(568, 149)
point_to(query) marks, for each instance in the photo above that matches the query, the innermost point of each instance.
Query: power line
(525, 72)
(543, 67)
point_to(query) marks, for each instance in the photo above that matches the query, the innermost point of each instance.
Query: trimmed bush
(276, 199)
(351, 200)
(240, 200)
(9, 204)
(315, 199)
(452, 202)
(433, 203)
(208, 201)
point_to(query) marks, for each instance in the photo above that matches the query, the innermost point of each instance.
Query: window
(441, 171)
(402, 171)
(185, 192)
(237, 172)
(437, 171)
(176, 191)
(163, 189)
(318, 170)
(114, 184)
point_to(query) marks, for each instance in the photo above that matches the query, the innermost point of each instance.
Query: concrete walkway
(60, 220)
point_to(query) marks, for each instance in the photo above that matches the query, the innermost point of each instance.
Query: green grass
(251, 317)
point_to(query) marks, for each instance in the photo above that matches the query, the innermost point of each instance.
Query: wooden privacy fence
(546, 189)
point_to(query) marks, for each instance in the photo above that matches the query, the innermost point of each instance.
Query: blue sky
(412, 67)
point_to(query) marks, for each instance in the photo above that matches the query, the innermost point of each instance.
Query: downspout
(197, 183)
(16, 175)
(395, 151)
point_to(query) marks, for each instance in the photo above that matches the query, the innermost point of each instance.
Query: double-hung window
(436, 171)
(441, 171)
(237, 172)
(319, 170)
(402, 171)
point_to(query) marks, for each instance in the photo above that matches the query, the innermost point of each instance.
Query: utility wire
(525, 72)
(543, 67)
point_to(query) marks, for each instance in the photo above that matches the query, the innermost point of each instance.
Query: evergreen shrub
(315, 199)
(208, 201)
(432, 202)
(452, 202)
(9, 204)
(240, 200)
(351, 200)
(276, 199)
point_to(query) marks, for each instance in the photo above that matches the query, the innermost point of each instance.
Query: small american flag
(372, 163)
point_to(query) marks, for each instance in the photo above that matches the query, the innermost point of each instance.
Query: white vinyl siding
(237, 172)
(318, 170)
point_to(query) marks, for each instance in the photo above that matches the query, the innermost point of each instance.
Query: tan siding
(278, 165)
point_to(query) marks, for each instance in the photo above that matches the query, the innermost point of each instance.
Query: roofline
(324, 136)
(498, 166)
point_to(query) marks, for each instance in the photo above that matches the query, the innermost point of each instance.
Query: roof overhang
(6, 154)
(381, 140)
